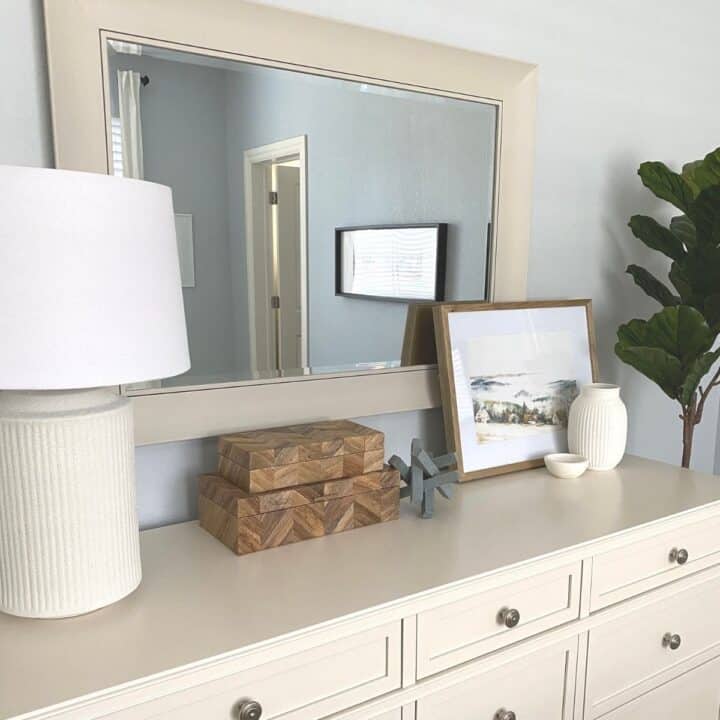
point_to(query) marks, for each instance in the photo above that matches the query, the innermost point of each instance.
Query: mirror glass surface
(267, 166)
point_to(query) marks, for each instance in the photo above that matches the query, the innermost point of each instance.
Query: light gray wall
(183, 123)
(372, 159)
(608, 99)
(25, 137)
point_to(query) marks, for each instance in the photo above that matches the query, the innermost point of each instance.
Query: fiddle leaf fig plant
(675, 348)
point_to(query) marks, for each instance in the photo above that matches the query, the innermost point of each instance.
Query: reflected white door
(286, 185)
(276, 255)
(260, 271)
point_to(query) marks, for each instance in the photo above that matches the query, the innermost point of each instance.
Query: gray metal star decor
(425, 475)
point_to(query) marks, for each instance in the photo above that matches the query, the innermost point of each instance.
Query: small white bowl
(566, 465)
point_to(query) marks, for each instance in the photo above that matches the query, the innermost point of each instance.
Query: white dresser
(525, 598)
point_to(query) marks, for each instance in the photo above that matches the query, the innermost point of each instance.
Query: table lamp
(90, 298)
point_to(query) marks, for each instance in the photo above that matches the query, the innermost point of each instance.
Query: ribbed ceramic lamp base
(69, 540)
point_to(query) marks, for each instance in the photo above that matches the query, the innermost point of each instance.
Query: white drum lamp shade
(90, 298)
(90, 293)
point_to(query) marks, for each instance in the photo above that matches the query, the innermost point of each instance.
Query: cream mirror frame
(76, 34)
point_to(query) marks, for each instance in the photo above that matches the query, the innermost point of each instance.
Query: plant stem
(689, 422)
(692, 415)
(704, 393)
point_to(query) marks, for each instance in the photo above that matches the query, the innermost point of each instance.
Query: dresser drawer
(641, 566)
(358, 714)
(537, 687)
(479, 623)
(695, 695)
(320, 681)
(631, 655)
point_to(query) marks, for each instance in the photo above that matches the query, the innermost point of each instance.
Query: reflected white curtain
(130, 126)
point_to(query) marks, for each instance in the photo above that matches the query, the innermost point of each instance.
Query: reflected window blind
(395, 263)
(116, 139)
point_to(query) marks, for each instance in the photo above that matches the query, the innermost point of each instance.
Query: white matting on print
(515, 374)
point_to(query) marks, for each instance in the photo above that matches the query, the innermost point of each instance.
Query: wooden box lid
(278, 477)
(298, 443)
(239, 503)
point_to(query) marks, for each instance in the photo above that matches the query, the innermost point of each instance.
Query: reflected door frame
(255, 158)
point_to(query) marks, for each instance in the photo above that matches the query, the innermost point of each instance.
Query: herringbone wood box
(264, 460)
(248, 522)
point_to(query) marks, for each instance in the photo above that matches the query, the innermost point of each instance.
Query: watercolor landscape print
(521, 385)
(513, 405)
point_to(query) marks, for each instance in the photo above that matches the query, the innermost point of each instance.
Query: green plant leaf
(633, 333)
(656, 364)
(683, 228)
(688, 172)
(680, 331)
(681, 282)
(697, 278)
(667, 185)
(656, 237)
(652, 286)
(705, 212)
(712, 312)
(703, 173)
(701, 270)
(695, 373)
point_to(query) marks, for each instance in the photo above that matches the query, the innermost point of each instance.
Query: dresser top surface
(198, 600)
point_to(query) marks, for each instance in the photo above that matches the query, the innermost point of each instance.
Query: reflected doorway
(276, 231)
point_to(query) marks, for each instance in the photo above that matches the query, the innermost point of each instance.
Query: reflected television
(400, 263)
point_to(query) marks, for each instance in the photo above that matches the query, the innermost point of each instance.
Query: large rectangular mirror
(266, 164)
(226, 101)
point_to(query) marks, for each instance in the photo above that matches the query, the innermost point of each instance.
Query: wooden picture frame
(462, 433)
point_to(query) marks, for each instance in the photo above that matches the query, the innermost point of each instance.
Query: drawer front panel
(631, 655)
(320, 681)
(468, 628)
(394, 714)
(694, 695)
(641, 566)
(537, 687)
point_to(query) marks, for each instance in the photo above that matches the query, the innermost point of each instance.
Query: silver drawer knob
(509, 617)
(249, 710)
(671, 641)
(679, 556)
(503, 714)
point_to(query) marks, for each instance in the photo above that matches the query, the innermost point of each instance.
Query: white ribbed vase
(69, 538)
(597, 426)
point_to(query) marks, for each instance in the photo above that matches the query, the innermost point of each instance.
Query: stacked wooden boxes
(282, 485)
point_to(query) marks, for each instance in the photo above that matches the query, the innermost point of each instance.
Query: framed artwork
(508, 374)
(400, 263)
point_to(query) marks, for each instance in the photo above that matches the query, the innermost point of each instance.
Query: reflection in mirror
(265, 164)
(398, 262)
